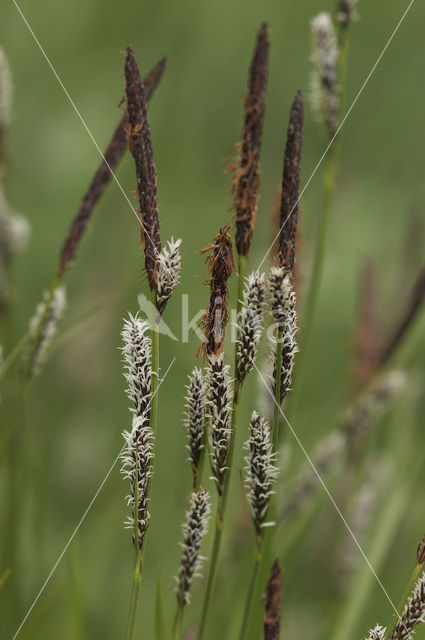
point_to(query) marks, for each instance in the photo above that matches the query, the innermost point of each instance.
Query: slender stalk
(241, 281)
(412, 580)
(263, 559)
(137, 579)
(212, 571)
(319, 258)
(137, 574)
(222, 502)
(258, 556)
(277, 391)
(200, 469)
(235, 411)
(13, 355)
(177, 625)
(219, 519)
(155, 368)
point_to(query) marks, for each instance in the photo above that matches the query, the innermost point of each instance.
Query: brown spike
(103, 177)
(291, 186)
(247, 178)
(221, 264)
(420, 553)
(413, 307)
(140, 144)
(271, 620)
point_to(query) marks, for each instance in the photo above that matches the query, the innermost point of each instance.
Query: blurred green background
(67, 430)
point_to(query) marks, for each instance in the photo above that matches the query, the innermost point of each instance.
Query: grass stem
(262, 560)
(221, 506)
(177, 626)
(252, 588)
(277, 391)
(137, 579)
(212, 570)
(137, 575)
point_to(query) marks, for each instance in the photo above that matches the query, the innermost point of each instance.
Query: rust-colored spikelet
(271, 620)
(420, 552)
(221, 264)
(291, 186)
(140, 144)
(103, 176)
(247, 177)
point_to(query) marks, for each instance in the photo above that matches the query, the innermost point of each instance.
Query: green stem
(241, 283)
(277, 391)
(13, 355)
(197, 478)
(212, 572)
(264, 558)
(137, 575)
(319, 258)
(219, 519)
(155, 369)
(412, 580)
(235, 411)
(177, 626)
(252, 588)
(222, 502)
(137, 579)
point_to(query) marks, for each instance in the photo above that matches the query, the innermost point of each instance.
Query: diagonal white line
(74, 106)
(322, 482)
(83, 122)
(316, 168)
(83, 517)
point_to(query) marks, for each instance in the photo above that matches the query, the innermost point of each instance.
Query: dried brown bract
(140, 144)
(420, 553)
(103, 176)
(291, 186)
(247, 177)
(271, 620)
(221, 264)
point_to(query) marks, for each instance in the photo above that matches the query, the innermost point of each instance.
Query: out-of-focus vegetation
(67, 429)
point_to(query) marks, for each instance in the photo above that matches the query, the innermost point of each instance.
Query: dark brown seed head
(140, 144)
(221, 264)
(271, 620)
(247, 178)
(291, 186)
(420, 553)
(103, 177)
